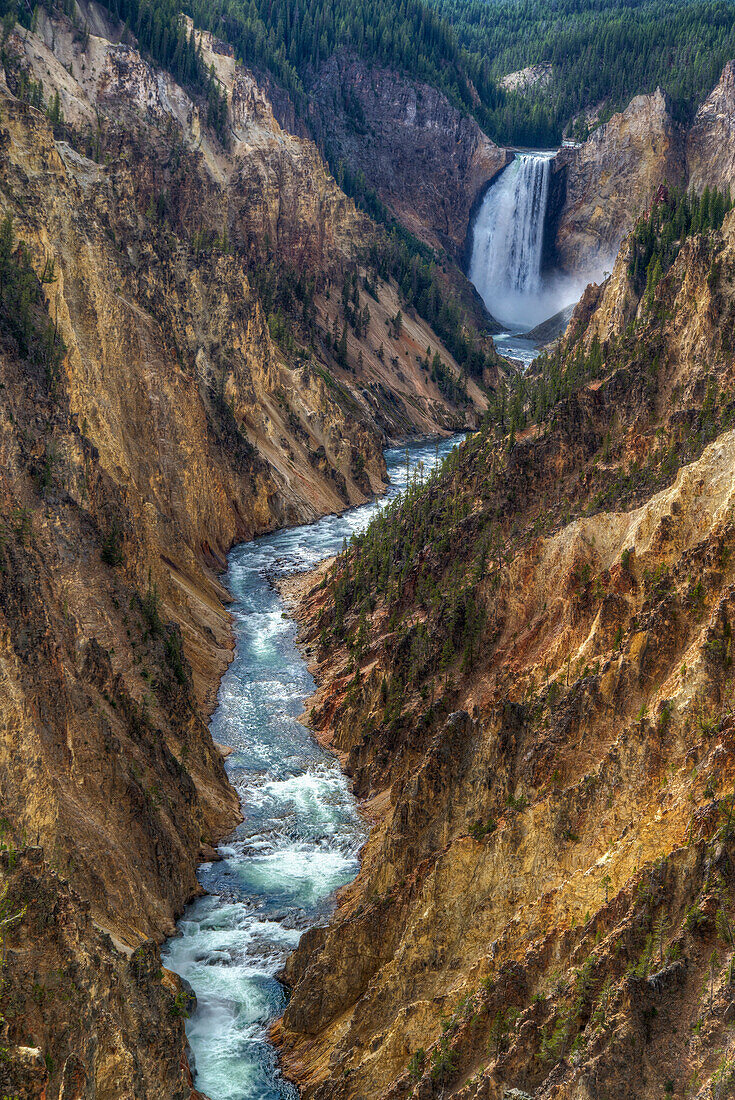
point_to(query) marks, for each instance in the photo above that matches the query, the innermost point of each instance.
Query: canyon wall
(710, 143)
(172, 382)
(535, 706)
(599, 188)
(428, 162)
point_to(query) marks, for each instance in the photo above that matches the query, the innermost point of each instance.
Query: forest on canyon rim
(233, 254)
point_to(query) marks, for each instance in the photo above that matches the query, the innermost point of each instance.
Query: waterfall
(508, 239)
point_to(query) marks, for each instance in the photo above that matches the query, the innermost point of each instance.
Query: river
(301, 835)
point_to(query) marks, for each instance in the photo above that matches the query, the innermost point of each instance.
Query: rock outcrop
(533, 76)
(710, 143)
(82, 1017)
(599, 188)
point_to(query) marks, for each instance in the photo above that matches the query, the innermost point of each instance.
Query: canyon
(205, 339)
(150, 419)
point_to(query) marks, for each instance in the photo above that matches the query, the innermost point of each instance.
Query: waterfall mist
(507, 246)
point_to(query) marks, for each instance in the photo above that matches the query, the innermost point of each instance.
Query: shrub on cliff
(22, 313)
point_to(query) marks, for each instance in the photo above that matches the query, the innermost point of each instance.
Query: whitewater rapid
(301, 835)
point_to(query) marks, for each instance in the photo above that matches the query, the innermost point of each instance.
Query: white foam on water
(302, 875)
(317, 793)
(507, 248)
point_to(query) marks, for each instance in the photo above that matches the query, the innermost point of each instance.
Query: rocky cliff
(710, 144)
(599, 188)
(527, 668)
(179, 371)
(428, 162)
(96, 1018)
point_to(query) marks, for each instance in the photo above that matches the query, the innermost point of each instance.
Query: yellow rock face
(545, 899)
(611, 179)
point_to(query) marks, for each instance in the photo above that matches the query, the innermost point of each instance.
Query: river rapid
(301, 835)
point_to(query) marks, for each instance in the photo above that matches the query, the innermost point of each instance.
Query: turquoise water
(515, 346)
(301, 835)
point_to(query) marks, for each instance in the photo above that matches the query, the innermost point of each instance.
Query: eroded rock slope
(599, 188)
(427, 161)
(528, 669)
(181, 368)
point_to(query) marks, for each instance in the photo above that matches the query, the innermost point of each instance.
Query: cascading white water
(508, 239)
(507, 251)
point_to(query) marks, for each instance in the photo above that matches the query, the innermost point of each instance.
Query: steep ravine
(301, 832)
(430, 164)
